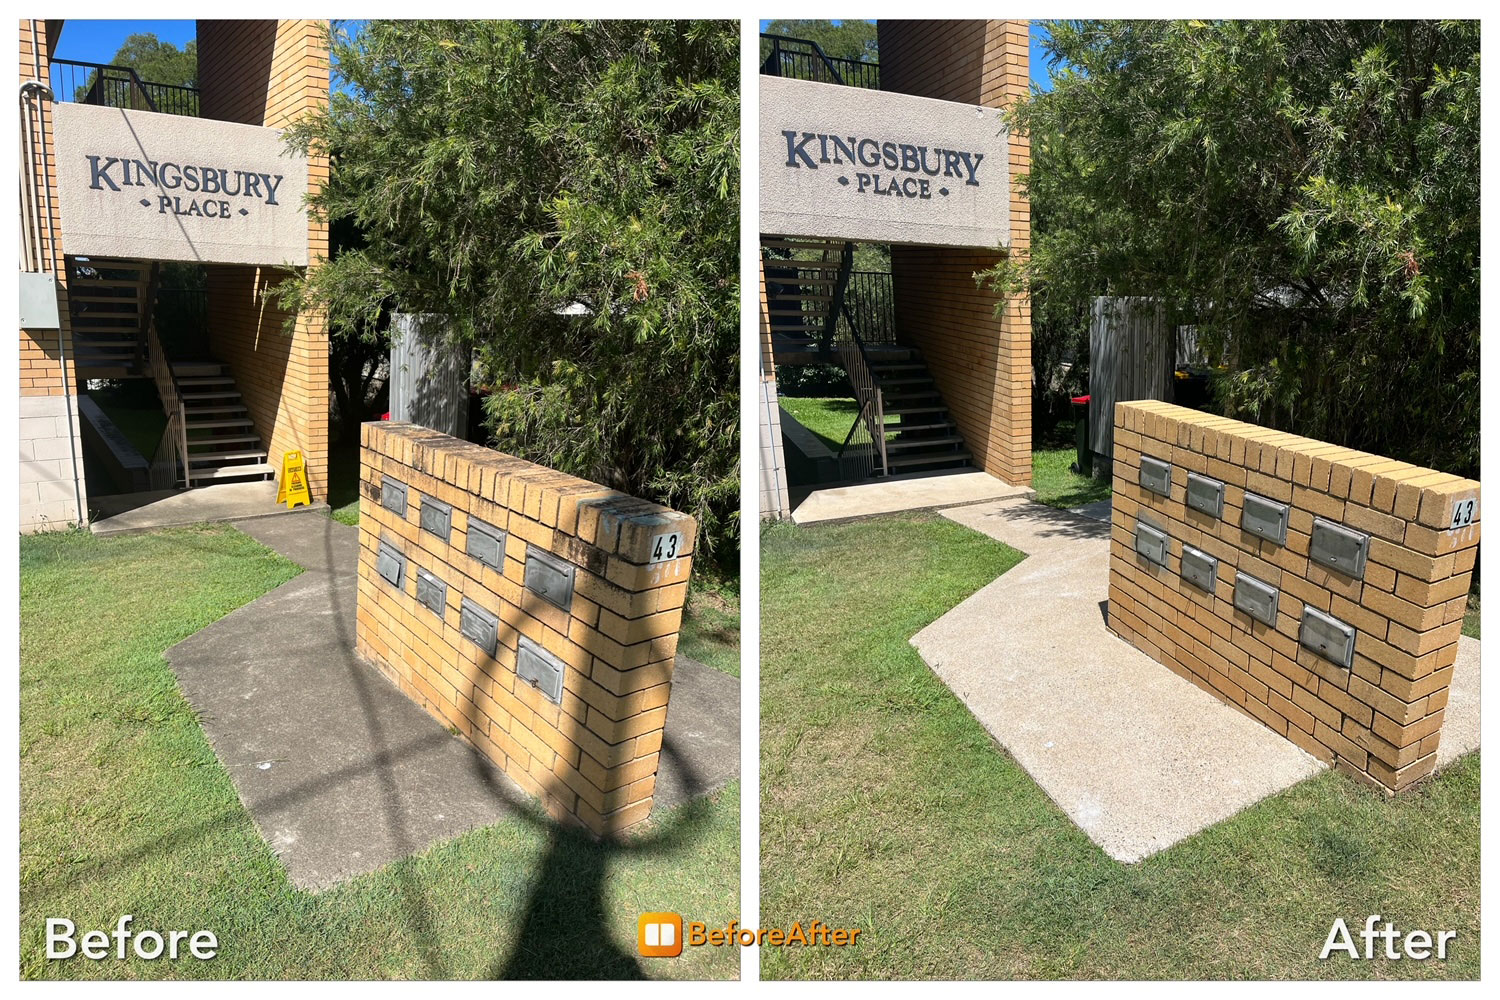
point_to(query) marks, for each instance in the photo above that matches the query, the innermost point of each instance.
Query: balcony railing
(804, 59)
(118, 87)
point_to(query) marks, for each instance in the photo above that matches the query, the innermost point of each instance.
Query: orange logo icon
(659, 935)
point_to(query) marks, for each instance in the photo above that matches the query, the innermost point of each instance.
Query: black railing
(870, 304)
(804, 59)
(118, 87)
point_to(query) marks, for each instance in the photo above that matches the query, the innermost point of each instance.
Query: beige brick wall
(594, 756)
(1380, 720)
(270, 73)
(981, 361)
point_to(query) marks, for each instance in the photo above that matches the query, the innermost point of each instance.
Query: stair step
(897, 366)
(232, 471)
(935, 458)
(220, 439)
(81, 281)
(899, 410)
(912, 380)
(218, 394)
(905, 428)
(922, 442)
(225, 456)
(203, 379)
(197, 411)
(194, 425)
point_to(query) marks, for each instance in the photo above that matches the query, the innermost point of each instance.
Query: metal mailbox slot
(478, 626)
(1338, 547)
(432, 593)
(549, 577)
(486, 543)
(540, 669)
(1151, 542)
(393, 495)
(437, 517)
(1199, 568)
(1156, 475)
(1256, 598)
(1205, 494)
(1265, 518)
(1327, 636)
(391, 564)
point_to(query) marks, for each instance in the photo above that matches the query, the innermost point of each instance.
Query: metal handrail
(804, 59)
(113, 86)
(867, 392)
(173, 447)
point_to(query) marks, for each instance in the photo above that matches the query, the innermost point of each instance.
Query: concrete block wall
(592, 756)
(270, 73)
(1381, 718)
(980, 358)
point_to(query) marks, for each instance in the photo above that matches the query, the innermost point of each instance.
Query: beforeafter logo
(661, 935)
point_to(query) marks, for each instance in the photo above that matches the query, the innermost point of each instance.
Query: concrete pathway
(341, 773)
(1136, 756)
(1461, 723)
(118, 515)
(902, 493)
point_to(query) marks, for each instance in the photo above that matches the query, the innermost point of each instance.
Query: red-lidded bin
(1084, 465)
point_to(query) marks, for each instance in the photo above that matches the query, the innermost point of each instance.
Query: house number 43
(664, 547)
(1463, 513)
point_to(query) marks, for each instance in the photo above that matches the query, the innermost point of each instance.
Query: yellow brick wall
(593, 757)
(1381, 720)
(981, 361)
(270, 73)
(41, 370)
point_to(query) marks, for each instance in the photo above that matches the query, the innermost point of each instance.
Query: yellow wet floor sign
(293, 489)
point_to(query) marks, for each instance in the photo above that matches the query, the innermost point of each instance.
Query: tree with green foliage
(846, 39)
(1305, 192)
(154, 61)
(567, 194)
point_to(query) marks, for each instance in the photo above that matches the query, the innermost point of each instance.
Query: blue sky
(98, 41)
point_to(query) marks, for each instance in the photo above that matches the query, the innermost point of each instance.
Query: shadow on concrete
(1050, 522)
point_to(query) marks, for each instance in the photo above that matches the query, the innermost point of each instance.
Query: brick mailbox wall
(534, 612)
(1317, 588)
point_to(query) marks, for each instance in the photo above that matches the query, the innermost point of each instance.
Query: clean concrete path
(1461, 723)
(343, 774)
(900, 493)
(1136, 756)
(118, 515)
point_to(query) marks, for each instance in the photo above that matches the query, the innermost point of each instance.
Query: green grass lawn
(134, 408)
(1052, 475)
(1471, 616)
(828, 417)
(886, 806)
(126, 809)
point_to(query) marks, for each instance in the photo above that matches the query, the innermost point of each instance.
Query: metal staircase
(221, 442)
(209, 437)
(109, 304)
(807, 282)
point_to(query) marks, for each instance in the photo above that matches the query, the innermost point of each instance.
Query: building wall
(270, 73)
(50, 494)
(1380, 719)
(774, 501)
(981, 361)
(592, 754)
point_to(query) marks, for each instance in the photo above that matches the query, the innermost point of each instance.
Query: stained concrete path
(920, 491)
(343, 774)
(1136, 756)
(128, 512)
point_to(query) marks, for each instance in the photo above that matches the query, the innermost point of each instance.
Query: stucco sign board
(144, 185)
(872, 166)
